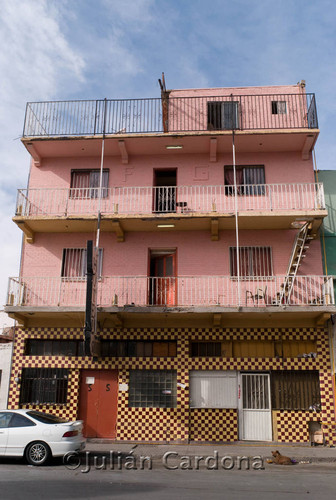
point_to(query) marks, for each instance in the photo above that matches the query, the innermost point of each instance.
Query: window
(85, 183)
(279, 107)
(137, 348)
(20, 421)
(211, 349)
(46, 418)
(213, 389)
(54, 347)
(152, 389)
(250, 180)
(44, 386)
(74, 262)
(254, 261)
(4, 419)
(295, 390)
(223, 115)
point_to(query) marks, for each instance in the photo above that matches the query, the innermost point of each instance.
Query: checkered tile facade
(181, 423)
(207, 424)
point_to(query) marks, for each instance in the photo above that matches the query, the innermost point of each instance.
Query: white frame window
(213, 389)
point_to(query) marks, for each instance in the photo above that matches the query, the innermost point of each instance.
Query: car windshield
(46, 418)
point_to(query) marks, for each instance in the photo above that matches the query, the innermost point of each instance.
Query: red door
(165, 280)
(98, 402)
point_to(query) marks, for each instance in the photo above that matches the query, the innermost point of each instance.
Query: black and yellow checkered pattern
(181, 423)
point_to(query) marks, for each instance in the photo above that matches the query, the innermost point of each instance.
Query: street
(20, 481)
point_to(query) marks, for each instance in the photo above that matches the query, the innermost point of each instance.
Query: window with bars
(74, 262)
(223, 115)
(279, 107)
(295, 390)
(38, 347)
(253, 261)
(44, 386)
(138, 348)
(85, 183)
(250, 180)
(152, 389)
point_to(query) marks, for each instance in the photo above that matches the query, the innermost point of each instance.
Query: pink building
(211, 299)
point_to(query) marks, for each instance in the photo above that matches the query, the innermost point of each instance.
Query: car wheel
(37, 453)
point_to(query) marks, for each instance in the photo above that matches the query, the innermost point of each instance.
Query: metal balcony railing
(169, 199)
(182, 291)
(173, 114)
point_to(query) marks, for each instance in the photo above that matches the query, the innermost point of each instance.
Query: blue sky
(89, 49)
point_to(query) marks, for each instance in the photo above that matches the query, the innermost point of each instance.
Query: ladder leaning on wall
(300, 246)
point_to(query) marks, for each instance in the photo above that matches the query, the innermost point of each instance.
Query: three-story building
(211, 297)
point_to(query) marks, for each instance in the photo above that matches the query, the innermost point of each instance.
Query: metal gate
(255, 418)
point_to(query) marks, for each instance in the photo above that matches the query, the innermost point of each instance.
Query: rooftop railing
(182, 291)
(147, 200)
(173, 114)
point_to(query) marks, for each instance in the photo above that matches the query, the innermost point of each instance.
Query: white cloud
(36, 62)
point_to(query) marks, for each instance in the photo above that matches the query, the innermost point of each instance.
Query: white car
(38, 436)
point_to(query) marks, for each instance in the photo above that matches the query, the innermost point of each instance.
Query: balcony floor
(157, 316)
(126, 145)
(253, 219)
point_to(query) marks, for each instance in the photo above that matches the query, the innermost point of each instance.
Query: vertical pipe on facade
(101, 178)
(236, 208)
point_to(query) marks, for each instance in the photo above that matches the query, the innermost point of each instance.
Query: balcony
(259, 206)
(251, 116)
(131, 295)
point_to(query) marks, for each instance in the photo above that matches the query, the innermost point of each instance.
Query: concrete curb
(300, 453)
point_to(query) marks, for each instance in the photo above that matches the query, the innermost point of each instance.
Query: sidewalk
(299, 452)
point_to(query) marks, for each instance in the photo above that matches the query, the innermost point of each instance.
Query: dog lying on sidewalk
(281, 459)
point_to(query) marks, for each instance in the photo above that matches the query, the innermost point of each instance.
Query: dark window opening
(279, 107)
(223, 115)
(85, 184)
(44, 386)
(206, 349)
(295, 390)
(41, 347)
(138, 348)
(164, 193)
(250, 180)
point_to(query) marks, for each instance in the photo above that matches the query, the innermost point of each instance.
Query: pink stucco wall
(280, 167)
(196, 253)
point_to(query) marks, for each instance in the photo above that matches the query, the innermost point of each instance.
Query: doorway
(255, 416)
(164, 192)
(98, 403)
(162, 277)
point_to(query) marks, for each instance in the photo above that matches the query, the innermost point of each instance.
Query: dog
(281, 459)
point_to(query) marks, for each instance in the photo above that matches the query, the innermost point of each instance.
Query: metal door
(255, 418)
(98, 402)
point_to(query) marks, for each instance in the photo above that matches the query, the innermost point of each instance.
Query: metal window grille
(74, 262)
(44, 386)
(295, 390)
(152, 389)
(254, 261)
